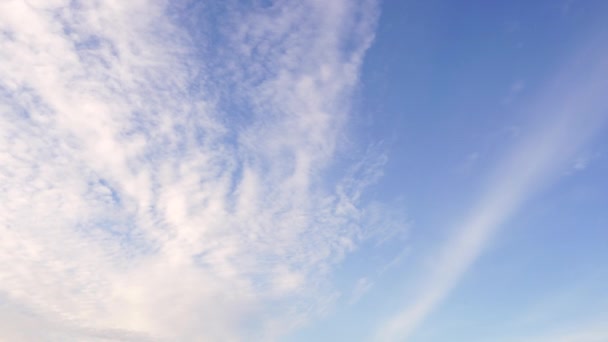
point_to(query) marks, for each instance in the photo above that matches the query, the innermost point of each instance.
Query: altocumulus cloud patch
(162, 166)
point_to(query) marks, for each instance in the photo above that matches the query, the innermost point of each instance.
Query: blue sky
(303, 171)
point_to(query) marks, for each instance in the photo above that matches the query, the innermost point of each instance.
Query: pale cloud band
(570, 110)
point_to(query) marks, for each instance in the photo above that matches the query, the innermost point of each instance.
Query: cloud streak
(162, 179)
(571, 109)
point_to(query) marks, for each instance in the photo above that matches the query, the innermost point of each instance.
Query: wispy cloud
(362, 286)
(570, 111)
(162, 179)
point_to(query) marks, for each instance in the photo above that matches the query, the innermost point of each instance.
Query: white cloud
(159, 185)
(571, 110)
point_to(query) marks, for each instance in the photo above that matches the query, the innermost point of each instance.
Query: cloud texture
(162, 166)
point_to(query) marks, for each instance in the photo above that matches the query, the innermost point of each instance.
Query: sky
(257, 170)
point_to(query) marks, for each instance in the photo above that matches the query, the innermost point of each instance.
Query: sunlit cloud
(157, 184)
